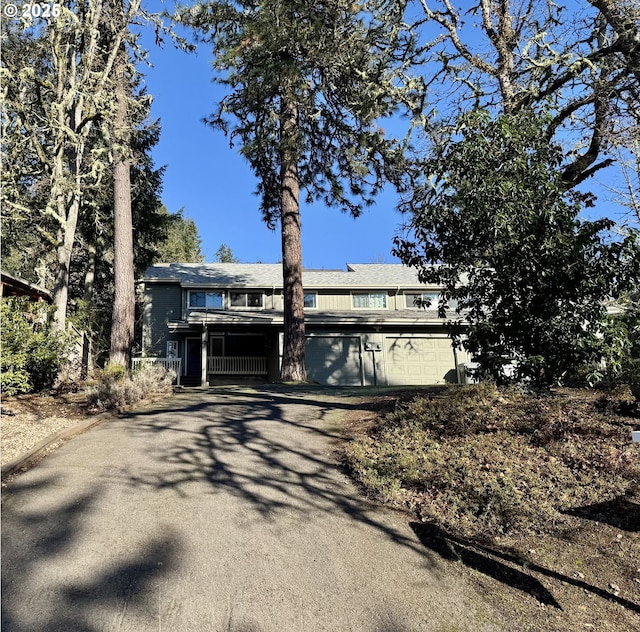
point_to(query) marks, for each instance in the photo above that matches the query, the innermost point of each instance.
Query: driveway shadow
(505, 567)
(272, 448)
(35, 538)
(270, 452)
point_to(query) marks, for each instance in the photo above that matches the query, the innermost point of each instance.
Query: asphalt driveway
(222, 509)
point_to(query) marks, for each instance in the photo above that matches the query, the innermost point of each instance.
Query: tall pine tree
(309, 83)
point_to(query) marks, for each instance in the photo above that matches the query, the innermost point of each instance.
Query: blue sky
(215, 186)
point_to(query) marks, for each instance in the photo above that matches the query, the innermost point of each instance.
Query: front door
(194, 357)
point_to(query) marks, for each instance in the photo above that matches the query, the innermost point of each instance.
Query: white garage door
(333, 360)
(419, 360)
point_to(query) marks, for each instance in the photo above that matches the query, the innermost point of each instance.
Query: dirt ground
(28, 419)
(581, 573)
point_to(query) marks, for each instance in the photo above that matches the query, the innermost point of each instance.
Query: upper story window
(427, 300)
(311, 299)
(210, 300)
(246, 299)
(369, 300)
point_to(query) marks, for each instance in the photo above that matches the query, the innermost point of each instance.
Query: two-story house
(363, 325)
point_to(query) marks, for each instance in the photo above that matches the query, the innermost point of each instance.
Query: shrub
(14, 381)
(491, 221)
(483, 460)
(32, 352)
(620, 400)
(114, 388)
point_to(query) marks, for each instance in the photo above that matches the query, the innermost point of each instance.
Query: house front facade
(363, 324)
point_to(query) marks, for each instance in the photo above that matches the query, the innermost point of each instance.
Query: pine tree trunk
(293, 367)
(123, 321)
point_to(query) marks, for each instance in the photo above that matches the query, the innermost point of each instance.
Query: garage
(419, 360)
(334, 360)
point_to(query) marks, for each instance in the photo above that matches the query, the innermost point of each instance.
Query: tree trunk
(90, 273)
(66, 238)
(123, 321)
(67, 210)
(293, 368)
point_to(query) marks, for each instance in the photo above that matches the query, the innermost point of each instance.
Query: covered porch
(234, 353)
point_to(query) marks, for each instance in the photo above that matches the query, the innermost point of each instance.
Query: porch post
(203, 363)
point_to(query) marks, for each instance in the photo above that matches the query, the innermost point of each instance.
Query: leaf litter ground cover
(537, 495)
(29, 419)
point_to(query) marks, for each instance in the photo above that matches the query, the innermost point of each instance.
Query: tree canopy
(578, 62)
(520, 101)
(56, 99)
(60, 138)
(489, 219)
(345, 67)
(182, 242)
(224, 254)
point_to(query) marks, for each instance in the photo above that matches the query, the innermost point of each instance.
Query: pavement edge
(34, 454)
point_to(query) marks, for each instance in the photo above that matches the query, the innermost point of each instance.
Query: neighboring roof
(265, 275)
(15, 286)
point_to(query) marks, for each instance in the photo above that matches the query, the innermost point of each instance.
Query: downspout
(455, 362)
(203, 355)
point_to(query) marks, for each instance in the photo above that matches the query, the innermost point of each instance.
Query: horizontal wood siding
(162, 303)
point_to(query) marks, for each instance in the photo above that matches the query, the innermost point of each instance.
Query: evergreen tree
(51, 108)
(489, 219)
(224, 254)
(182, 242)
(309, 83)
(34, 147)
(124, 301)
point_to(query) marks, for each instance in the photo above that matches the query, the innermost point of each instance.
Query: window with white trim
(208, 300)
(172, 348)
(426, 300)
(246, 299)
(311, 300)
(417, 301)
(369, 300)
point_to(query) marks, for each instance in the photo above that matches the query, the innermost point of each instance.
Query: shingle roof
(265, 275)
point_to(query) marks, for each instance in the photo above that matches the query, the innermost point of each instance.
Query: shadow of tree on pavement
(503, 567)
(35, 538)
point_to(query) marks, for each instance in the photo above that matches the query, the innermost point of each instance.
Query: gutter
(316, 287)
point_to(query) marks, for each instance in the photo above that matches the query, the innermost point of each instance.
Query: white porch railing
(169, 364)
(236, 365)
